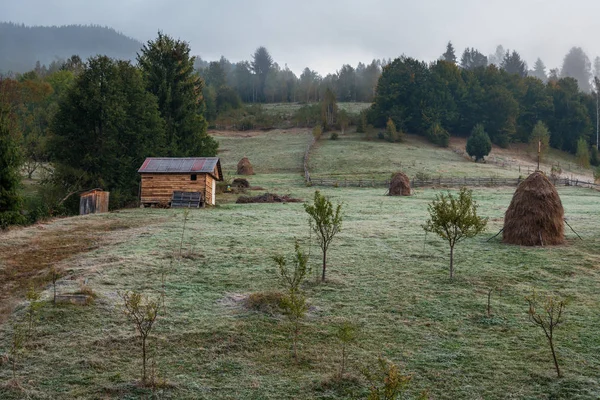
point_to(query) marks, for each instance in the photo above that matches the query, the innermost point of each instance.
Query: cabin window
(194, 177)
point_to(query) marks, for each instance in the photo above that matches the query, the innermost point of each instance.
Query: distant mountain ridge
(22, 46)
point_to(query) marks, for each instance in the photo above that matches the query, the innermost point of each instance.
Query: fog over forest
(325, 35)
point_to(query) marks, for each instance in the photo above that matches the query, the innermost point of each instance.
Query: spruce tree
(169, 73)
(449, 55)
(479, 144)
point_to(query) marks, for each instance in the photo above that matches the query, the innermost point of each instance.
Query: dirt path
(27, 255)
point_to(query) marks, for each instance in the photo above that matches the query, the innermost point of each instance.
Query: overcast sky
(324, 34)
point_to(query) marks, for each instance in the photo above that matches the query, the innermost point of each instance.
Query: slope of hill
(22, 46)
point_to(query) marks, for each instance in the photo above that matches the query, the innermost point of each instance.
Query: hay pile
(267, 198)
(241, 183)
(399, 185)
(535, 215)
(244, 167)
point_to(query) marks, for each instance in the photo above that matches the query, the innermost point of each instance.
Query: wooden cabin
(93, 201)
(162, 177)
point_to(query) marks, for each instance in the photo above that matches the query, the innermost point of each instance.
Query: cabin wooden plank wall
(159, 188)
(210, 190)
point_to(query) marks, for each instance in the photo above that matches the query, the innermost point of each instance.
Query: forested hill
(21, 46)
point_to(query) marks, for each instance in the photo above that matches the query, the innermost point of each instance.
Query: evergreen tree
(539, 70)
(479, 144)
(262, 62)
(513, 64)
(472, 59)
(168, 70)
(449, 55)
(106, 124)
(498, 56)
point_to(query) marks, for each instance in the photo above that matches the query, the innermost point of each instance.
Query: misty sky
(325, 34)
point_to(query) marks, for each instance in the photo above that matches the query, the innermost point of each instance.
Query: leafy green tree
(106, 124)
(325, 221)
(583, 153)
(571, 120)
(501, 112)
(361, 122)
(449, 55)
(10, 161)
(479, 144)
(540, 139)
(454, 219)
(329, 110)
(168, 71)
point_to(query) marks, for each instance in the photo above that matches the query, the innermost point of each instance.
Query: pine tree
(449, 55)
(169, 73)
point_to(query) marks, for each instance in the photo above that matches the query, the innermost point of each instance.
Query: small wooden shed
(93, 201)
(162, 177)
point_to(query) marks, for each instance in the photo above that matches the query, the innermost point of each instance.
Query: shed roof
(189, 165)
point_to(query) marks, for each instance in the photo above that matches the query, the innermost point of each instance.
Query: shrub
(438, 135)
(386, 382)
(270, 302)
(334, 136)
(294, 303)
(380, 135)
(479, 144)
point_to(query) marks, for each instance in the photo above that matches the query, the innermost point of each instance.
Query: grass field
(384, 275)
(288, 109)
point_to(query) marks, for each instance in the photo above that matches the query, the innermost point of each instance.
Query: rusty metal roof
(191, 165)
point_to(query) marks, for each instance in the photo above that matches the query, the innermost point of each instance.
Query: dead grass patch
(27, 256)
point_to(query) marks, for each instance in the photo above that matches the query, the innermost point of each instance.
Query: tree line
(95, 122)
(450, 97)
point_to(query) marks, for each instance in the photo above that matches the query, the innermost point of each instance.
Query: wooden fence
(443, 182)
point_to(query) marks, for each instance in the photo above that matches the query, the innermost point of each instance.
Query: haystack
(535, 215)
(244, 167)
(399, 185)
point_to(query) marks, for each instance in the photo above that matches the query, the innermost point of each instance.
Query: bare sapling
(294, 303)
(346, 334)
(548, 315)
(17, 345)
(35, 304)
(325, 221)
(55, 275)
(142, 312)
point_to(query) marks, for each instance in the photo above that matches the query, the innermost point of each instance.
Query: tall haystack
(535, 215)
(244, 167)
(399, 185)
